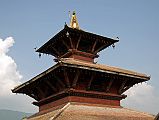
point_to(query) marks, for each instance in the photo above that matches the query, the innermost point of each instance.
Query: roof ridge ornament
(74, 22)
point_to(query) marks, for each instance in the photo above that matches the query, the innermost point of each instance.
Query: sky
(25, 25)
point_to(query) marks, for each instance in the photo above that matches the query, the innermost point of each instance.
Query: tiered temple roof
(76, 78)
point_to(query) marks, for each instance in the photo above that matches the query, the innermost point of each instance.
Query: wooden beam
(66, 78)
(42, 94)
(90, 82)
(109, 85)
(76, 78)
(125, 89)
(122, 86)
(65, 44)
(33, 96)
(94, 45)
(71, 42)
(106, 44)
(59, 80)
(30, 93)
(51, 86)
(79, 39)
(57, 52)
(98, 49)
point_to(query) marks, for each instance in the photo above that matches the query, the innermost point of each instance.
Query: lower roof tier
(70, 73)
(78, 111)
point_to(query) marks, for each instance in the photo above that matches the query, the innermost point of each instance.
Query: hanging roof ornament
(74, 22)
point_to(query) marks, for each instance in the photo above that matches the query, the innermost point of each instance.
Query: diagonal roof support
(122, 86)
(109, 85)
(51, 86)
(94, 45)
(79, 39)
(66, 78)
(42, 94)
(63, 41)
(90, 82)
(57, 52)
(59, 80)
(71, 42)
(76, 78)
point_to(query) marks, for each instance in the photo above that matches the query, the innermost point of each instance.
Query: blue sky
(136, 23)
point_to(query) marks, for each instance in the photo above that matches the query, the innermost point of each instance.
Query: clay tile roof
(73, 111)
(104, 68)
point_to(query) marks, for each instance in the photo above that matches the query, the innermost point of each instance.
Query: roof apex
(74, 22)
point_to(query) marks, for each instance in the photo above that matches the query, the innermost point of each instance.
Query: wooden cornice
(81, 93)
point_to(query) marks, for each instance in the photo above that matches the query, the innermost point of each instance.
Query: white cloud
(142, 97)
(9, 76)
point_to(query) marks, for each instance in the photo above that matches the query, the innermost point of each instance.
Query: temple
(77, 87)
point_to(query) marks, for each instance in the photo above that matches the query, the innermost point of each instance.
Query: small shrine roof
(70, 62)
(48, 47)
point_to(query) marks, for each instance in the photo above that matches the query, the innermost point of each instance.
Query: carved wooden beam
(96, 51)
(71, 42)
(51, 86)
(57, 52)
(104, 44)
(90, 82)
(109, 85)
(66, 78)
(122, 86)
(42, 94)
(30, 93)
(59, 80)
(76, 78)
(65, 44)
(79, 39)
(94, 45)
(33, 96)
(125, 89)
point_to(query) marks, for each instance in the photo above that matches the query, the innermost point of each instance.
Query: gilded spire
(74, 22)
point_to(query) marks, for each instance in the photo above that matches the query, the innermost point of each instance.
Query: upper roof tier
(72, 42)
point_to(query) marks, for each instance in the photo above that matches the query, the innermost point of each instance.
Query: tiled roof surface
(107, 68)
(73, 111)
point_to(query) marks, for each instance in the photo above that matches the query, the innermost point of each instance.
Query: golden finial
(74, 22)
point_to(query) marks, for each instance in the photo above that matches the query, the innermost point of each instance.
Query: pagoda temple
(76, 87)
